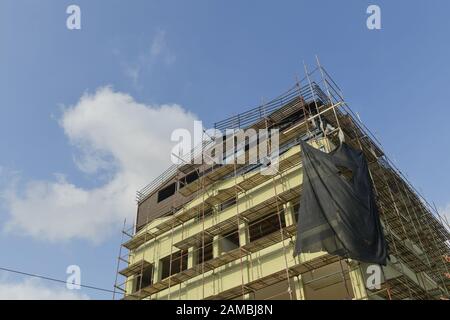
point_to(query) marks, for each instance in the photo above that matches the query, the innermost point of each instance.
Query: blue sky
(63, 92)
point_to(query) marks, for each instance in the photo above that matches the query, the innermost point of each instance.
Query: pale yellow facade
(263, 263)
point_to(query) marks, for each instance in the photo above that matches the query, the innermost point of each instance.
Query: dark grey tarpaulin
(338, 213)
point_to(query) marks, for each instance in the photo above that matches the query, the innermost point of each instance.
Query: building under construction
(228, 231)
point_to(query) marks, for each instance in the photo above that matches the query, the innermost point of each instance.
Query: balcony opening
(265, 225)
(331, 282)
(205, 253)
(143, 280)
(174, 264)
(229, 241)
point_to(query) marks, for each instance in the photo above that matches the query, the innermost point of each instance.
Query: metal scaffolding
(313, 109)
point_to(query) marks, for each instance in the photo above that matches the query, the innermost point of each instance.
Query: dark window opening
(227, 204)
(229, 241)
(174, 264)
(224, 147)
(265, 226)
(143, 280)
(167, 192)
(205, 253)
(189, 178)
(230, 147)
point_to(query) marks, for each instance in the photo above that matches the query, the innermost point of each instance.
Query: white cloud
(158, 43)
(160, 49)
(157, 52)
(133, 72)
(33, 289)
(112, 134)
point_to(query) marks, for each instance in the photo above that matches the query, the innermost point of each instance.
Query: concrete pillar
(247, 296)
(289, 213)
(357, 280)
(216, 246)
(157, 263)
(191, 257)
(298, 288)
(244, 236)
(157, 271)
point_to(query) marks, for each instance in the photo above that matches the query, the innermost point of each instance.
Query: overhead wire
(34, 275)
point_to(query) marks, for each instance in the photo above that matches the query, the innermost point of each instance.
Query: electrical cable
(53, 279)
